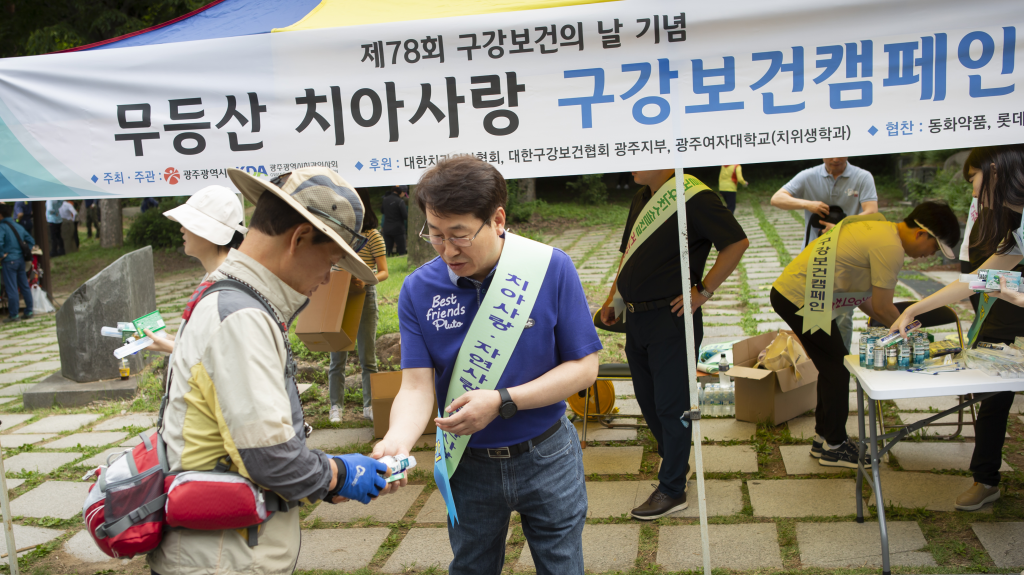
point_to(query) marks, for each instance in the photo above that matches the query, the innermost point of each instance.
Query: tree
(420, 252)
(29, 27)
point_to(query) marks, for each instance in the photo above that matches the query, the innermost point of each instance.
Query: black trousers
(990, 433)
(827, 352)
(730, 200)
(656, 349)
(56, 240)
(394, 244)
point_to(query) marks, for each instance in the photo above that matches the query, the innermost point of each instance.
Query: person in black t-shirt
(651, 283)
(396, 215)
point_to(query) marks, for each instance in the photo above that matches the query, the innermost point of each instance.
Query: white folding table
(879, 385)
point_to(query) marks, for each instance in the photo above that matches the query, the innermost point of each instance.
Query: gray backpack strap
(136, 516)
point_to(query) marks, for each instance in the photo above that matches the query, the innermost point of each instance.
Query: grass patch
(770, 233)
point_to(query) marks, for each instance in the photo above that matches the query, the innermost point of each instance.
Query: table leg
(877, 487)
(861, 445)
(586, 416)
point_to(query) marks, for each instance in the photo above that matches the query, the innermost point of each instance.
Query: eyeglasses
(356, 243)
(460, 242)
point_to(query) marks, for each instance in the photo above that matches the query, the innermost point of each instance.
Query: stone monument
(123, 291)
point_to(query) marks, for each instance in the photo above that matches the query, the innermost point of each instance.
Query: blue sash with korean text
(489, 343)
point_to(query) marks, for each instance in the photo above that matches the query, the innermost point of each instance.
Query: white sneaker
(335, 414)
(368, 413)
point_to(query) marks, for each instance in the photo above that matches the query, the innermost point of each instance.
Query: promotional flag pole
(691, 372)
(5, 507)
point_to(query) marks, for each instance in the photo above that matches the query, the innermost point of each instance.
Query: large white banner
(617, 86)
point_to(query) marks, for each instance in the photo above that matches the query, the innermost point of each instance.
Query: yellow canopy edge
(335, 13)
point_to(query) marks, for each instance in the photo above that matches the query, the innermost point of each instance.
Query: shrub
(518, 210)
(153, 229)
(948, 185)
(591, 189)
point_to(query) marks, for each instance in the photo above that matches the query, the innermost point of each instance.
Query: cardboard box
(384, 387)
(765, 395)
(331, 320)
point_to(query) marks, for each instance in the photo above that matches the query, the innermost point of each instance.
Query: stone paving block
(739, 547)
(14, 483)
(61, 499)
(5, 400)
(92, 439)
(966, 431)
(723, 331)
(623, 388)
(9, 420)
(340, 549)
(41, 462)
(726, 430)
(59, 423)
(1003, 541)
(17, 440)
(798, 461)
(802, 497)
(422, 548)
(940, 403)
(336, 438)
(612, 460)
(605, 548)
(929, 490)
(26, 357)
(1018, 404)
(12, 390)
(101, 458)
(628, 407)
(83, 548)
(858, 544)
(135, 440)
(614, 498)
(729, 458)
(598, 432)
(433, 511)
(925, 456)
(130, 420)
(388, 509)
(27, 536)
(39, 366)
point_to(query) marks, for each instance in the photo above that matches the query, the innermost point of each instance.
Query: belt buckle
(629, 306)
(499, 453)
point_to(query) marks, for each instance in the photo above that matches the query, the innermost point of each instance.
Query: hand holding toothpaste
(1008, 293)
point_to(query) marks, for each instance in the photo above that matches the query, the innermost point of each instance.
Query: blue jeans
(544, 485)
(15, 279)
(366, 346)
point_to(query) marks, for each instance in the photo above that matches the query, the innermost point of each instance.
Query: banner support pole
(5, 508)
(691, 368)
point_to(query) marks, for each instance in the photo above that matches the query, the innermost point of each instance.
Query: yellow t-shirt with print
(869, 254)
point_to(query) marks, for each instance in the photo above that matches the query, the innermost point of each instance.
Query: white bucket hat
(213, 213)
(326, 200)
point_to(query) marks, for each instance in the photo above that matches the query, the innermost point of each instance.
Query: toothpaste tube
(895, 336)
(398, 465)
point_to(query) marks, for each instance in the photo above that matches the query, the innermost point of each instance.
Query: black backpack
(26, 250)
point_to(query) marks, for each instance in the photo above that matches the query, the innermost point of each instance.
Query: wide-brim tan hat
(339, 211)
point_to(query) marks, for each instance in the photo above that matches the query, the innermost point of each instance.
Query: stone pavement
(774, 507)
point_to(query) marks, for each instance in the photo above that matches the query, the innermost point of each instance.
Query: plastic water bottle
(731, 412)
(723, 366)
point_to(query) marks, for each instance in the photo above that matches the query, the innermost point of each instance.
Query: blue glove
(363, 477)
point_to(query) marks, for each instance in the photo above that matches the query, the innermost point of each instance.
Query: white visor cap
(214, 213)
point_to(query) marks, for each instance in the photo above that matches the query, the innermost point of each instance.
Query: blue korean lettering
(988, 48)
(854, 58)
(714, 91)
(665, 76)
(586, 102)
(775, 65)
(932, 62)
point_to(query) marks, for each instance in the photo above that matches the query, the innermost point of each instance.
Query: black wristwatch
(508, 407)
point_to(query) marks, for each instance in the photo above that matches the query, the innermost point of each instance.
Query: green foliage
(928, 157)
(517, 210)
(30, 27)
(948, 185)
(590, 189)
(153, 229)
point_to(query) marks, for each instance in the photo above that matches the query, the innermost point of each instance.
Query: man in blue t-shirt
(524, 454)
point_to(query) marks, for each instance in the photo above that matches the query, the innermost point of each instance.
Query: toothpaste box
(151, 321)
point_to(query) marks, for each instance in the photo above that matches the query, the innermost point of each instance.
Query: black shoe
(843, 456)
(816, 449)
(10, 319)
(658, 505)
(28, 315)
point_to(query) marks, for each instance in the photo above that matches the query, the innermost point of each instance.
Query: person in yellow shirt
(727, 180)
(868, 257)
